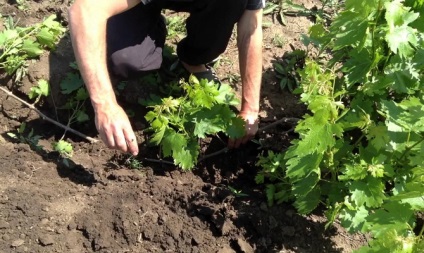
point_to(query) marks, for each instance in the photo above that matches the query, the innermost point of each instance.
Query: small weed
(64, 148)
(18, 44)
(22, 5)
(286, 70)
(232, 78)
(42, 89)
(176, 27)
(73, 85)
(278, 40)
(133, 163)
(30, 138)
(237, 193)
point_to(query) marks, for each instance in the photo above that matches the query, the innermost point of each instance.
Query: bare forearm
(88, 32)
(250, 57)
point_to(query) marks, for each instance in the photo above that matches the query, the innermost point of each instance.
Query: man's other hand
(251, 128)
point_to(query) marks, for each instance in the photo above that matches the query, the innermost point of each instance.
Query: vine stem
(43, 116)
(262, 129)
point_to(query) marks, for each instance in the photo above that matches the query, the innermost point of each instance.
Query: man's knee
(142, 57)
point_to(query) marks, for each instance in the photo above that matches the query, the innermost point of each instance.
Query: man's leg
(135, 39)
(209, 29)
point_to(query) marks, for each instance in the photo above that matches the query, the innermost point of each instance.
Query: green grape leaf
(319, 138)
(71, 83)
(172, 142)
(46, 38)
(31, 48)
(353, 172)
(305, 185)
(398, 15)
(307, 203)
(378, 136)
(317, 35)
(203, 94)
(150, 116)
(407, 115)
(211, 121)
(82, 116)
(82, 94)
(7, 35)
(186, 158)
(391, 215)
(236, 129)
(369, 192)
(401, 38)
(353, 220)
(378, 85)
(363, 8)
(63, 147)
(226, 96)
(349, 29)
(158, 135)
(43, 89)
(358, 66)
(300, 166)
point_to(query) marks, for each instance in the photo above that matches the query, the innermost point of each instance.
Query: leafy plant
(42, 89)
(278, 40)
(17, 44)
(283, 8)
(73, 85)
(64, 148)
(175, 27)
(134, 163)
(237, 193)
(285, 70)
(29, 138)
(204, 109)
(22, 5)
(360, 150)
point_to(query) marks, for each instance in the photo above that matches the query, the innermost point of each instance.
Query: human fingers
(120, 141)
(131, 141)
(106, 136)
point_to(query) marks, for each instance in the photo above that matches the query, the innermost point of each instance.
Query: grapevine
(360, 150)
(203, 109)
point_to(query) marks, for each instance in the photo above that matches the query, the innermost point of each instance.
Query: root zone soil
(98, 204)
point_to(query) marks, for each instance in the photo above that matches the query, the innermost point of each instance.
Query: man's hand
(251, 128)
(87, 21)
(115, 129)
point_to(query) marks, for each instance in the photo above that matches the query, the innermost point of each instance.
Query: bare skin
(249, 42)
(88, 23)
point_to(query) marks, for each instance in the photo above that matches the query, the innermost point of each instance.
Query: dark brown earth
(97, 203)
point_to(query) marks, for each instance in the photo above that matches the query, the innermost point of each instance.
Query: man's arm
(249, 42)
(88, 20)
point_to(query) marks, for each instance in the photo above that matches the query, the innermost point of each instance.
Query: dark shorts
(136, 37)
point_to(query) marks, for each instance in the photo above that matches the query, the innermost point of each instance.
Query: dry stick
(43, 116)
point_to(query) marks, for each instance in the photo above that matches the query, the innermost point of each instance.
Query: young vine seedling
(178, 123)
